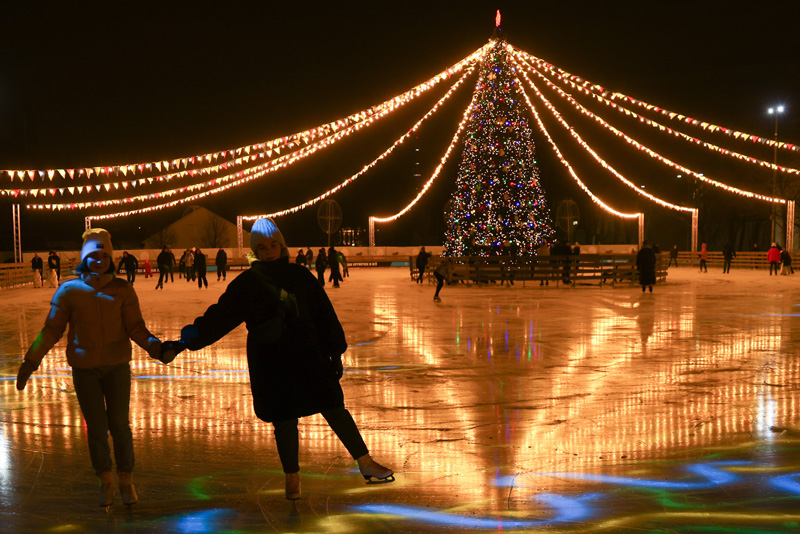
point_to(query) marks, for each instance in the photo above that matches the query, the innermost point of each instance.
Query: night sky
(95, 84)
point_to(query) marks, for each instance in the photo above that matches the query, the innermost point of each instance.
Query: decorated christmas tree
(498, 206)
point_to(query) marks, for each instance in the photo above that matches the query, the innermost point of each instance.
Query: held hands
(25, 371)
(170, 349)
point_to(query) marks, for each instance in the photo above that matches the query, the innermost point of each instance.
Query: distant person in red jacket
(774, 259)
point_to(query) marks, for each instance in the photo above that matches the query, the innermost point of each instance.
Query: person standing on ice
(727, 258)
(333, 263)
(646, 265)
(703, 258)
(774, 259)
(442, 274)
(103, 315)
(37, 265)
(320, 264)
(422, 262)
(294, 350)
(221, 261)
(200, 268)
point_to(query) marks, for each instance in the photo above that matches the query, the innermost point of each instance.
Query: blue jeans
(104, 394)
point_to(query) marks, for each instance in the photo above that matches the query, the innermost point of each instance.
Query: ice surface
(518, 408)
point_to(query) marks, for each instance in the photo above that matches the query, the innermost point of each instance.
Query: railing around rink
(15, 275)
(568, 270)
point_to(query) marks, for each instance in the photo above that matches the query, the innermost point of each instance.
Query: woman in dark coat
(320, 264)
(294, 349)
(646, 264)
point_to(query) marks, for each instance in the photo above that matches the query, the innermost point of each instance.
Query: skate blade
(375, 480)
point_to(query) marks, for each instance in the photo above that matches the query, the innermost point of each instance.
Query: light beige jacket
(103, 316)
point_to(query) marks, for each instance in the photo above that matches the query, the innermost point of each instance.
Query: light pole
(773, 216)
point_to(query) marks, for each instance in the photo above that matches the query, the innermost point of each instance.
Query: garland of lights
(271, 165)
(384, 110)
(369, 165)
(564, 161)
(663, 128)
(667, 113)
(658, 156)
(266, 147)
(603, 163)
(438, 168)
(293, 157)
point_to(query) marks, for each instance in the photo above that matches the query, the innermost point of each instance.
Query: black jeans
(439, 283)
(342, 423)
(726, 266)
(104, 395)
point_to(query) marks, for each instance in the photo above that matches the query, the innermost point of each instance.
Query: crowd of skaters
(333, 261)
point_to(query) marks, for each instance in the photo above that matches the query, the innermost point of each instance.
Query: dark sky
(89, 84)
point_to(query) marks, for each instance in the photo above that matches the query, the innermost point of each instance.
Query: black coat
(200, 263)
(295, 375)
(646, 263)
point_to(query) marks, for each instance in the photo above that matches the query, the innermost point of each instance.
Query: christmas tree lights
(498, 205)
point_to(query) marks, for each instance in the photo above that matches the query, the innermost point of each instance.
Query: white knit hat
(94, 240)
(264, 229)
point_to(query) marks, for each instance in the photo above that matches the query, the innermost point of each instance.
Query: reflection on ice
(471, 401)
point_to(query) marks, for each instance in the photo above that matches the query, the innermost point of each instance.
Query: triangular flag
(62, 172)
(50, 174)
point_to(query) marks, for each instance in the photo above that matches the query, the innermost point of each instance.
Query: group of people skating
(192, 266)
(53, 274)
(294, 350)
(332, 260)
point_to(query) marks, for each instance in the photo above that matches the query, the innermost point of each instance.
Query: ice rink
(556, 409)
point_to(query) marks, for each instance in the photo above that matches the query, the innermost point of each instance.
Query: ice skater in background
(646, 265)
(443, 272)
(294, 350)
(103, 315)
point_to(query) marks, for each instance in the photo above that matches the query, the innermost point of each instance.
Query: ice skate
(437, 299)
(126, 488)
(106, 497)
(370, 469)
(293, 486)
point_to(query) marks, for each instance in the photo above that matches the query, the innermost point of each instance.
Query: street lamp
(773, 218)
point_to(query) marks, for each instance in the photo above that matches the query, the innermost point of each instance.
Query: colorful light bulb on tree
(498, 205)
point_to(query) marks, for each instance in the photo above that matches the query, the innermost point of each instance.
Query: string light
(239, 177)
(438, 168)
(667, 113)
(369, 165)
(597, 158)
(655, 124)
(261, 149)
(658, 156)
(572, 172)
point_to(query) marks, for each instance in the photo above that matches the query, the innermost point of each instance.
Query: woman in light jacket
(103, 315)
